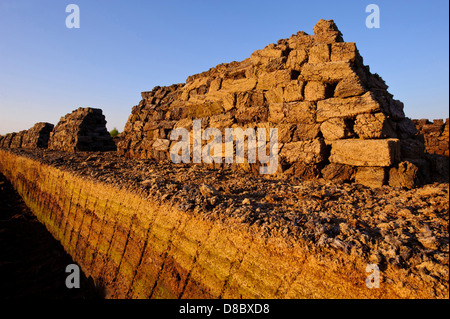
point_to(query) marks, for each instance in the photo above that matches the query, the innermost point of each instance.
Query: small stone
(246, 201)
(338, 244)
(405, 175)
(213, 200)
(429, 242)
(207, 190)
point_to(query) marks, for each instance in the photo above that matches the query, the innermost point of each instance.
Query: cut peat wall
(137, 248)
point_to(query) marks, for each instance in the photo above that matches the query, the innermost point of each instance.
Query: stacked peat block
(6, 141)
(16, 140)
(335, 118)
(2, 139)
(82, 130)
(435, 135)
(436, 139)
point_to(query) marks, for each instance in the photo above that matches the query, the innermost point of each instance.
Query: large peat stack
(335, 118)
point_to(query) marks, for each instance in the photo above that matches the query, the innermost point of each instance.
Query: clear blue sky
(125, 47)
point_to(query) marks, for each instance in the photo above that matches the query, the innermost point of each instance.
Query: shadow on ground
(32, 262)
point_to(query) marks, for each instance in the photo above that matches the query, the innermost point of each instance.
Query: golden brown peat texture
(156, 230)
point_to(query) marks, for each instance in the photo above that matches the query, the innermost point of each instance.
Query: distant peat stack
(82, 130)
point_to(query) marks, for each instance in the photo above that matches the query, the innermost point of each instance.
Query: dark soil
(32, 262)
